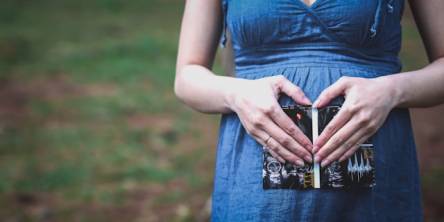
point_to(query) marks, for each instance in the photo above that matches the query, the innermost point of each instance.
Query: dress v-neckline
(309, 7)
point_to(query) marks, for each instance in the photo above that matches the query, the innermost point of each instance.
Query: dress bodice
(339, 32)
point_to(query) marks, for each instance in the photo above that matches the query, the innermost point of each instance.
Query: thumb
(336, 89)
(296, 93)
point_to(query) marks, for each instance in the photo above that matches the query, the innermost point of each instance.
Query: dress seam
(255, 71)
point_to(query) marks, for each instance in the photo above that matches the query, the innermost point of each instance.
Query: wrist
(230, 91)
(394, 89)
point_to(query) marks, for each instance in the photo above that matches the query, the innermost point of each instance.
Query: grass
(93, 119)
(89, 127)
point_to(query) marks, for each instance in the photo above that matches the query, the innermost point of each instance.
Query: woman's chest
(357, 22)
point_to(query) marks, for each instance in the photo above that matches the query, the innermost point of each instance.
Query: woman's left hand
(367, 104)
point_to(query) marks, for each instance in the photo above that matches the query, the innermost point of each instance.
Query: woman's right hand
(256, 104)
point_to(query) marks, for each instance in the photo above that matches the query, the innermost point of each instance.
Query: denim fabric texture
(313, 46)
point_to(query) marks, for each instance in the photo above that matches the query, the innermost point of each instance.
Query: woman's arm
(254, 101)
(195, 84)
(361, 115)
(424, 87)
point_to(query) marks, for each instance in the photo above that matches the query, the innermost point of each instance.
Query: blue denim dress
(313, 46)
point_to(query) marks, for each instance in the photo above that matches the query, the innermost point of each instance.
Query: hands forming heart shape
(366, 106)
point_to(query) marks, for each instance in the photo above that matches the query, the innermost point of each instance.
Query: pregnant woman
(311, 52)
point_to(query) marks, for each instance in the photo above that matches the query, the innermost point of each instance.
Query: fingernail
(315, 104)
(316, 159)
(315, 149)
(308, 158)
(300, 162)
(324, 162)
(307, 100)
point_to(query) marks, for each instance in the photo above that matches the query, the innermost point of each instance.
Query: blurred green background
(90, 129)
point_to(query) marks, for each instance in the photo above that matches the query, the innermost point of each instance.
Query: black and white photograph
(355, 172)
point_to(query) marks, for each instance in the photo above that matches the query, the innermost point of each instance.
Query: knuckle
(364, 121)
(292, 130)
(306, 143)
(286, 142)
(257, 124)
(257, 119)
(348, 110)
(270, 110)
(273, 148)
(352, 108)
(280, 151)
(371, 127)
(347, 145)
(337, 141)
(330, 129)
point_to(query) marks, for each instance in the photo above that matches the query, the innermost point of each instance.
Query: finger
(339, 120)
(336, 89)
(279, 150)
(350, 152)
(262, 137)
(276, 156)
(350, 145)
(287, 124)
(255, 129)
(338, 139)
(286, 140)
(287, 87)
